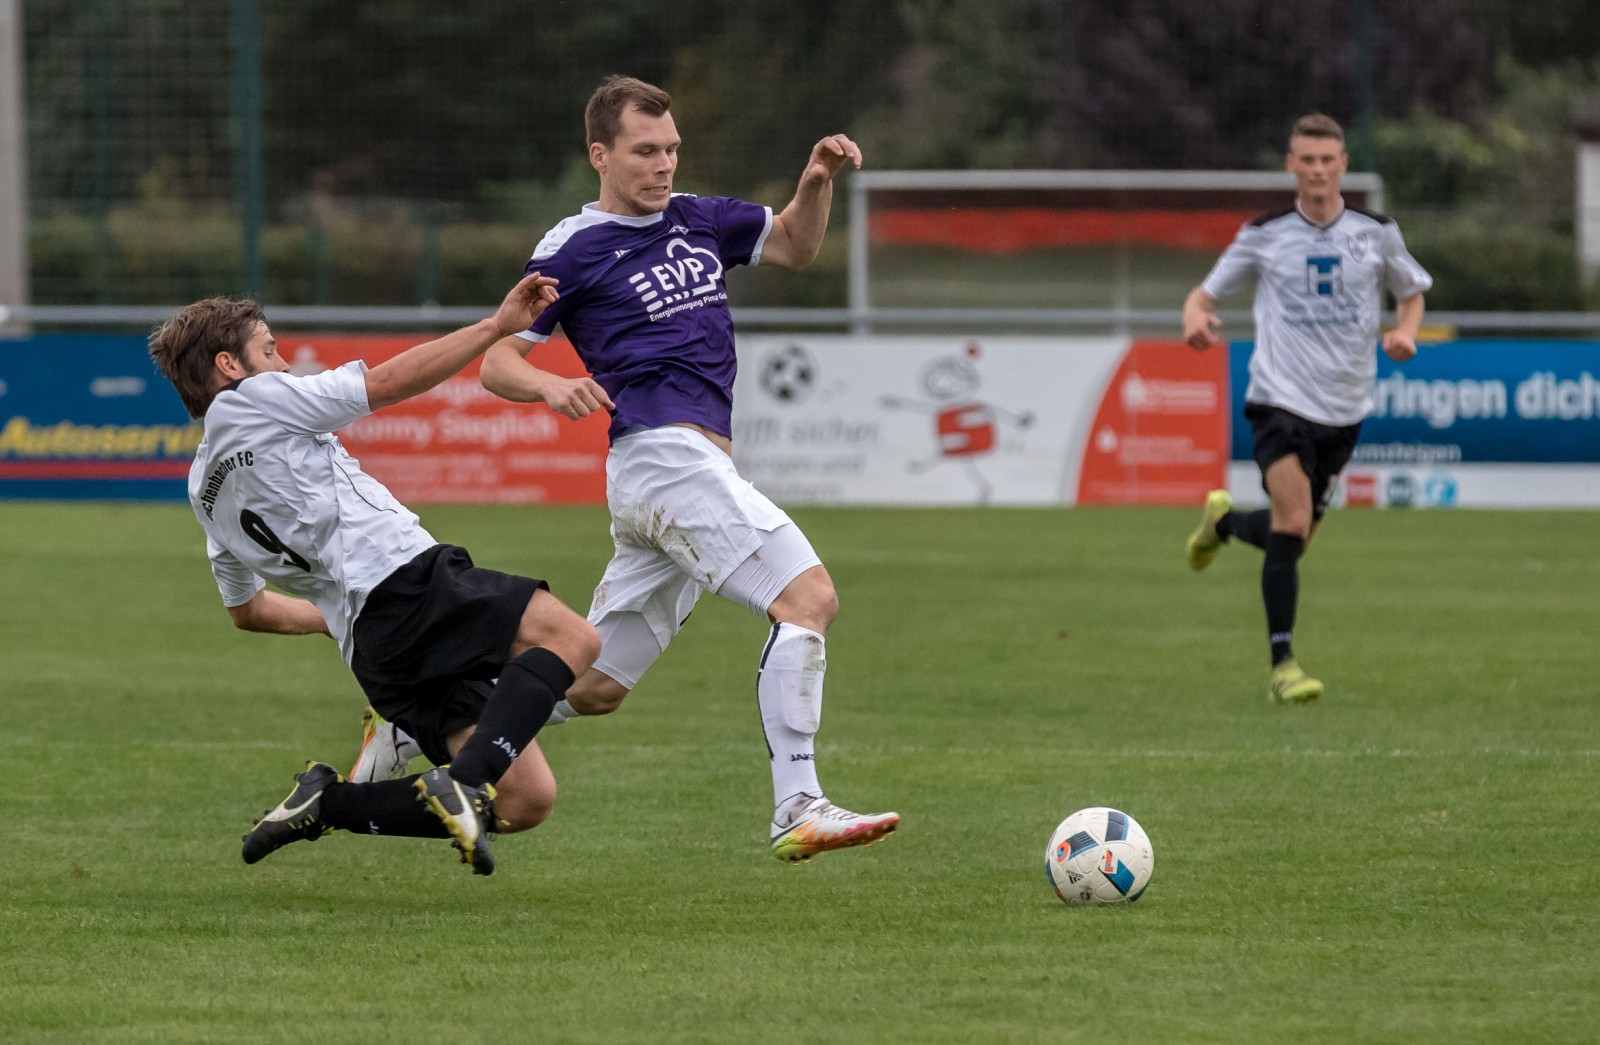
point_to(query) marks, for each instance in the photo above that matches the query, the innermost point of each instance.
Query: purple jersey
(644, 303)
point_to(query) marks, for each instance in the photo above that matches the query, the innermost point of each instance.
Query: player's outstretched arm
(1200, 319)
(1400, 344)
(423, 366)
(797, 232)
(508, 374)
(278, 614)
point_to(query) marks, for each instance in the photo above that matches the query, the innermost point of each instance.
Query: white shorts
(683, 521)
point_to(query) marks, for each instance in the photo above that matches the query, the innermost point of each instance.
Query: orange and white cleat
(386, 751)
(819, 826)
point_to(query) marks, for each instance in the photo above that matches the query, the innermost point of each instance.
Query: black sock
(1280, 589)
(1249, 527)
(518, 708)
(386, 807)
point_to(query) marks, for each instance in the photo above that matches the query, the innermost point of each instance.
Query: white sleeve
(313, 405)
(237, 583)
(1401, 273)
(1237, 267)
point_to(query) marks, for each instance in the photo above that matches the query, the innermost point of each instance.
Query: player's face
(1316, 164)
(260, 353)
(636, 172)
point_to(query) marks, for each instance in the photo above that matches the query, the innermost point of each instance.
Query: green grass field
(1411, 860)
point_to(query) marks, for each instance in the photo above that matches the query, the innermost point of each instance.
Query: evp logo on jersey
(689, 272)
(1325, 275)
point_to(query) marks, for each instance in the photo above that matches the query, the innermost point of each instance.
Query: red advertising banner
(461, 443)
(1160, 434)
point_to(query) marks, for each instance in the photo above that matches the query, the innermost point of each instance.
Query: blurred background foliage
(416, 151)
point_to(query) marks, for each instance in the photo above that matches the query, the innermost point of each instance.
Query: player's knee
(516, 810)
(596, 694)
(810, 601)
(1297, 523)
(583, 641)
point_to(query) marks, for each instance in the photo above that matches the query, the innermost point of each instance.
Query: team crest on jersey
(1325, 275)
(1358, 243)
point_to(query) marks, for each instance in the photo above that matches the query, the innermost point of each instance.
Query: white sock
(561, 712)
(789, 692)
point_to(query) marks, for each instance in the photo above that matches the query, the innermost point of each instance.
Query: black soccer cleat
(466, 812)
(296, 817)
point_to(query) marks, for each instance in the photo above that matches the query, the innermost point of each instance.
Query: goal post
(1095, 248)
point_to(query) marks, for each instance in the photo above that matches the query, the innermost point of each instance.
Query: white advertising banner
(912, 420)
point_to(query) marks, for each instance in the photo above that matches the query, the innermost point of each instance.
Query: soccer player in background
(422, 628)
(1320, 269)
(644, 302)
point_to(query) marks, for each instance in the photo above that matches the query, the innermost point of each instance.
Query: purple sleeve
(559, 267)
(741, 228)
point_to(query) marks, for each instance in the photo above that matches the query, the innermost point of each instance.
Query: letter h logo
(1325, 276)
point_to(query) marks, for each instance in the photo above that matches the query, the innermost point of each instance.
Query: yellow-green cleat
(1205, 542)
(1291, 684)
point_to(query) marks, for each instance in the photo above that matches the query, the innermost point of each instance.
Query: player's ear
(228, 366)
(597, 157)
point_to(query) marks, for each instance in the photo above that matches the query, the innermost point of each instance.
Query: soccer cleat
(466, 814)
(1205, 542)
(820, 826)
(1291, 685)
(385, 750)
(296, 817)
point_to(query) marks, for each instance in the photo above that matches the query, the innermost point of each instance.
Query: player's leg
(1289, 488)
(437, 714)
(552, 645)
(639, 606)
(525, 794)
(785, 580)
(443, 618)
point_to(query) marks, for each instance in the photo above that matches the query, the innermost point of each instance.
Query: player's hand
(1200, 331)
(576, 397)
(522, 306)
(1399, 347)
(829, 156)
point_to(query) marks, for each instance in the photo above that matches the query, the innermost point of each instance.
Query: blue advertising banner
(89, 416)
(1469, 401)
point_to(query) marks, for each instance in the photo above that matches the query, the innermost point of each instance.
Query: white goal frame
(863, 316)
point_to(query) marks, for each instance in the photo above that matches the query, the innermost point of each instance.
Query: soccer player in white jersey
(422, 628)
(644, 302)
(1320, 270)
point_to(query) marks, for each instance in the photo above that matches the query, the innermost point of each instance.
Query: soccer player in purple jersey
(644, 302)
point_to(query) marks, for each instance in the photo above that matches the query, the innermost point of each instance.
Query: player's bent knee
(515, 812)
(810, 601)
(596, 693)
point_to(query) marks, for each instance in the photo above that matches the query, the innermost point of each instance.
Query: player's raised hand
(575, 397)
(1399, 347)
(829, 156)
(531, 296)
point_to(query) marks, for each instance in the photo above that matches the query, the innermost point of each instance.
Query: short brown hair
(1316, 125)
(185, 347)
(602, 117)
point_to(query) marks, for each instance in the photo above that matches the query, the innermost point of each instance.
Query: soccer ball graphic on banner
(1099, 857)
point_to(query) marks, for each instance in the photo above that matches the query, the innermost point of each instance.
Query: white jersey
(1319, 301)
(280, 499)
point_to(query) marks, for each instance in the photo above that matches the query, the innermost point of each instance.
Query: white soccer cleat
(385, 750)
(820, 826)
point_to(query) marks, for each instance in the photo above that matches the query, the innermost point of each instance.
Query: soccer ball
(1099, 857)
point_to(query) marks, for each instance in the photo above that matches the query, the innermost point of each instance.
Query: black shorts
(431, 639)
(1323, 450)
